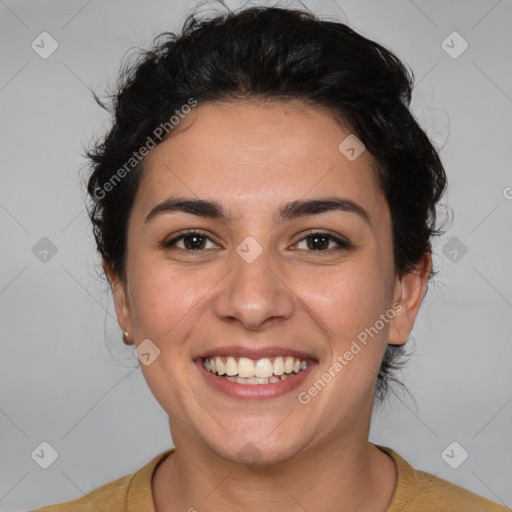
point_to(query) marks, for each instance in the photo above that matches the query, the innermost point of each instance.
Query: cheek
(165, 311)
(164, 302)
(347, 299)
(169, 308)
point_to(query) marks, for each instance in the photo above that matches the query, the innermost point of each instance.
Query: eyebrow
(294, 209)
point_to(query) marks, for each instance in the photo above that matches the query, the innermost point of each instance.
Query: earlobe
(409, 293)
(121, 302)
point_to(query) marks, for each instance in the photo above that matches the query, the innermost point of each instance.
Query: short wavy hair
(273, 53)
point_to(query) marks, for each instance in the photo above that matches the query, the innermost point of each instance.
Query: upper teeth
(245, 367)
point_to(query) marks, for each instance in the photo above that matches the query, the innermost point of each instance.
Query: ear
(409, 293)
(123, 312)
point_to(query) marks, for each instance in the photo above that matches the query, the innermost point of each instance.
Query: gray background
(67, 378)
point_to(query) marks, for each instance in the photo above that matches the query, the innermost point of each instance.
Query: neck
(351, 474)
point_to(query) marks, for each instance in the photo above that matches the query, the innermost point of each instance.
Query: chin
(257, 450)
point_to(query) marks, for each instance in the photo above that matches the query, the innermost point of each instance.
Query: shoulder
(418, 491)
(130, 492)
(112, 494)
(432, 489)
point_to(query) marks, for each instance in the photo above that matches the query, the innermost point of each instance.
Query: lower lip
(254, 391)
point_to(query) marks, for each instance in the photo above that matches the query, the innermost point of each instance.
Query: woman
(264, 206)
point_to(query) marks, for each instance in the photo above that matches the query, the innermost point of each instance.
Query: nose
(254, 294)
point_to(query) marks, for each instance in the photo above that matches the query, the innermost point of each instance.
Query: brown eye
(192, 241)
(319, 241)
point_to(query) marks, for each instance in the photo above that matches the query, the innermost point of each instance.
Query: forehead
(255, 155)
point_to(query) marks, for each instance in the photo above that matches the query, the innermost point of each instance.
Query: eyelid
(341, 242)
(188, 232)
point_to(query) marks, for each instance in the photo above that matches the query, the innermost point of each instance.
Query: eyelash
(342, 244)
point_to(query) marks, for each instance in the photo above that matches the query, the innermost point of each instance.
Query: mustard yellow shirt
(415, 491)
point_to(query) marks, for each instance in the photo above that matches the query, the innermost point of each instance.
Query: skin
(253, 157)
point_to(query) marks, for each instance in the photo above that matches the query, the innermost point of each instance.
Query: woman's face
(257, 285)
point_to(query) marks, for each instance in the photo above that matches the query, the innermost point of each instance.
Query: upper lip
(255, 353)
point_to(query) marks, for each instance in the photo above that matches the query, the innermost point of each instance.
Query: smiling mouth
(243, 370)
